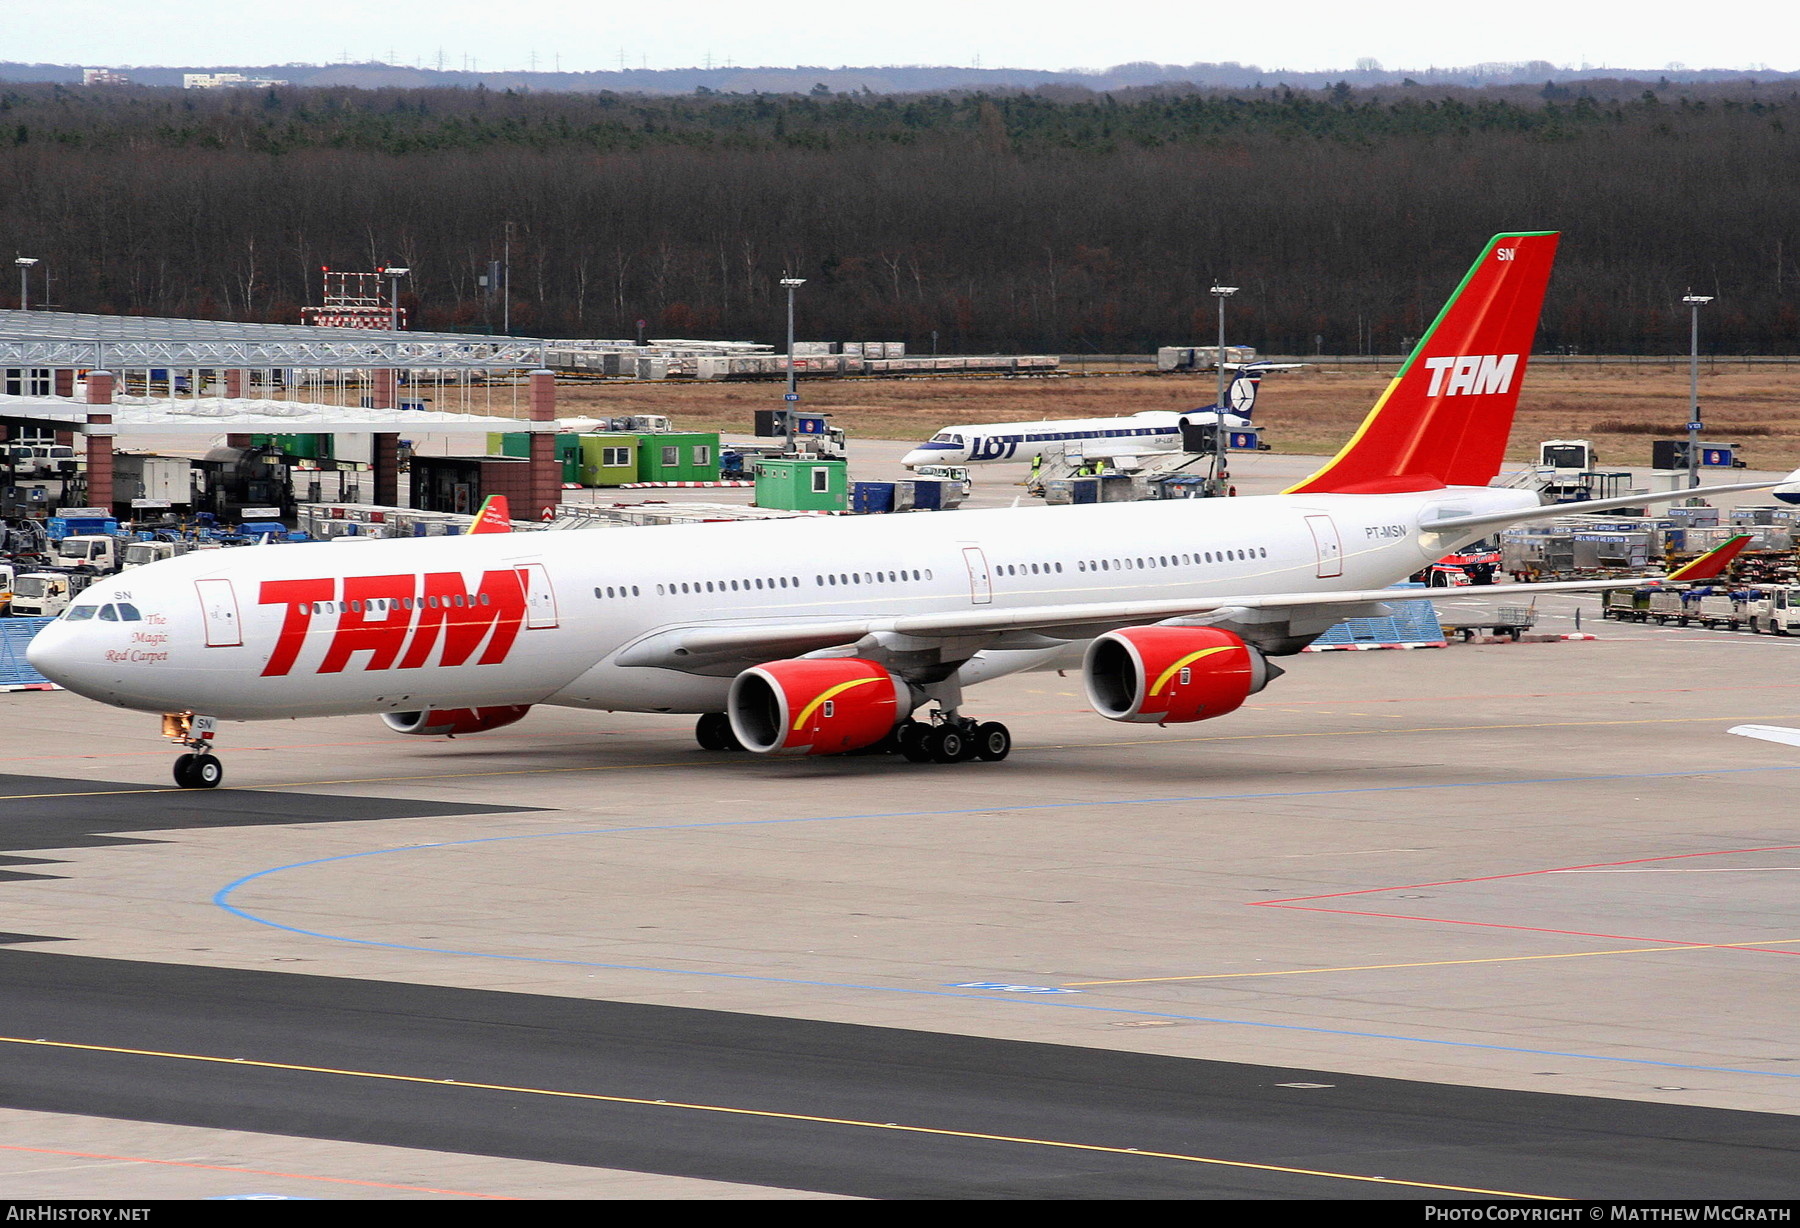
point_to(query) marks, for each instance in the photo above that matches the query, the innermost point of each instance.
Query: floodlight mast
(1218, 461)
(1694, 302)
(394, 274)
(793, 396)
(25, 263)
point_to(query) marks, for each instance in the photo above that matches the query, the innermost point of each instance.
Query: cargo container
(152, 481)
(802, 484)
(608, 460)
(568, 450)
(872, 498)
(302, 447)
(679, 456)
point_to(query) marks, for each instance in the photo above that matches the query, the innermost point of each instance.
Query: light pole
(506, 284)
(25, 263)
(394, 274)
(1218, 463)
(1694, 302)
(793, 397)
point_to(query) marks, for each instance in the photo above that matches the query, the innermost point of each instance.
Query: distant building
(103, 76)
(225, 80)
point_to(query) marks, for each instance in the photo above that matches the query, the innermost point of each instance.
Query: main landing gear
(199, 768)
(713, 732)
(944, 738)
(953, 739)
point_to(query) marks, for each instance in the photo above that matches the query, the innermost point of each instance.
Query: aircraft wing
(1768, 733)
(1551, 511)
(710, 648)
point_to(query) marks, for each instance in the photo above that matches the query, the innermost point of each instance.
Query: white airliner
(825, 635)
(1153, 430)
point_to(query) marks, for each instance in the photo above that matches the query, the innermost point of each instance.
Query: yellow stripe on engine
(833, 693)
(1184, 662)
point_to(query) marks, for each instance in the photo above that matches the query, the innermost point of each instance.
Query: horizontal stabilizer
(1551, 511)
(1768, 733)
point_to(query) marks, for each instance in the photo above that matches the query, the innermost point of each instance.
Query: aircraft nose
(54, 654)
(915, 458)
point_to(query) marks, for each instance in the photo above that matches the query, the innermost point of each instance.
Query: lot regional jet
(1153, 430)
(825, 635)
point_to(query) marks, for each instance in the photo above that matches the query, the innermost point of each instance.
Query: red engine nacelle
(449, 722)
(1171, 675)
(823, 707)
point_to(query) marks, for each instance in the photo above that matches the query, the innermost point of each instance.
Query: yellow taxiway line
(772, 1115)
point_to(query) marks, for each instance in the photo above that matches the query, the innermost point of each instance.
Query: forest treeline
(1052, 220)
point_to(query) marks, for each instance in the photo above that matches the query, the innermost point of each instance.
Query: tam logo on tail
(1444, 419)
(1472, 374)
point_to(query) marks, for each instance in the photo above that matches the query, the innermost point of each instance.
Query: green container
(518, 443)
(679, 456)
(301, 447)
(608, 460)
(803, 485)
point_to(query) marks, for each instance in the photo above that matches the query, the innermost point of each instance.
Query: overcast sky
(584, 35)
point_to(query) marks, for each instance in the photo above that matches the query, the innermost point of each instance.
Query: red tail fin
(1444, 419)
(494, 517)
(1713, 563)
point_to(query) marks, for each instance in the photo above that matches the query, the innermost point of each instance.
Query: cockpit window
(80, 613)
(128, 613)
(109, 613)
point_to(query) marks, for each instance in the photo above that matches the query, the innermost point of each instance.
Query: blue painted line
(222, 898)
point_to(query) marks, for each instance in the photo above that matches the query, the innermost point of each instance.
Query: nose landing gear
(200, 771)
(199, 768)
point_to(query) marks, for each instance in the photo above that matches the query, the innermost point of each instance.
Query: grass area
(1310, 411)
